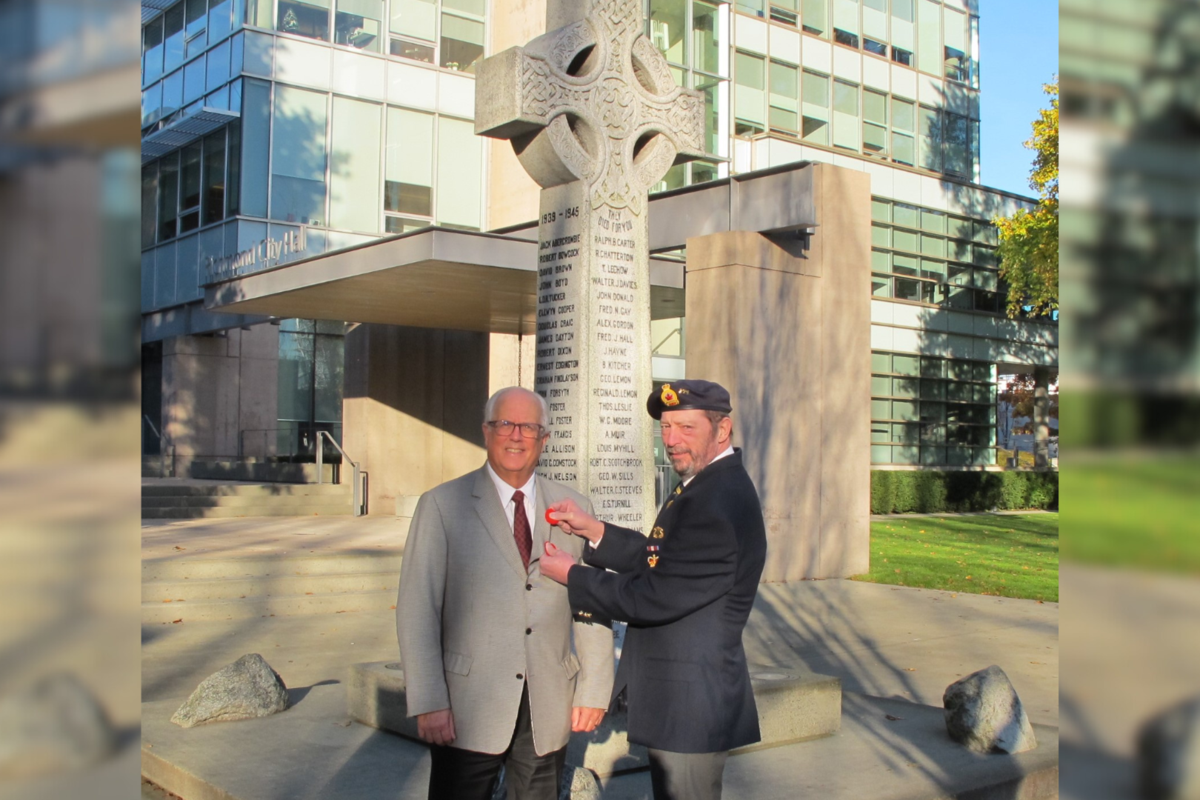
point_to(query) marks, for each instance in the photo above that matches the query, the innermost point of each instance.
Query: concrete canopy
(463, 280)
(432, 278)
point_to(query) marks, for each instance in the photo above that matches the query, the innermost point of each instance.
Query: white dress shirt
(506, 497)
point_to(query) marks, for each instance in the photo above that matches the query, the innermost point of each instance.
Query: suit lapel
(541, 529)
(491, 513)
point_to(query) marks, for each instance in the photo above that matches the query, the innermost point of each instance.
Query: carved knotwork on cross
(592, 101)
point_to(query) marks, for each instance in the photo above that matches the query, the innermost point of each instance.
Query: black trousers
(686, 776)
(459, 774)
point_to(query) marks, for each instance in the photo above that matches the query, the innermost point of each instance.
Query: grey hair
(489, 409)
(715, 417)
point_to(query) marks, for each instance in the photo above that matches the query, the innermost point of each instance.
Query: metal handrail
(360, 475)
(162, 448)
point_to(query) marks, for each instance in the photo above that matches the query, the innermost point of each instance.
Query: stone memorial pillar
(596, 119)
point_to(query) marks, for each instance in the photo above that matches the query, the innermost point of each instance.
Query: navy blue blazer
(686, 591)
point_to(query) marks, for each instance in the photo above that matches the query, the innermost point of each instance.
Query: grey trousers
(686, 776)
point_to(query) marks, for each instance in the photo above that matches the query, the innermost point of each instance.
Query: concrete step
(253, 607)
(220, 512)
(253, 469)
(180, 569)
(237, 500)
(794, 705)
(885, 750)
(237, 489)
(268, 586)
(156, 467)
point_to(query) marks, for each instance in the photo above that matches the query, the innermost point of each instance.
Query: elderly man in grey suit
(498, 670)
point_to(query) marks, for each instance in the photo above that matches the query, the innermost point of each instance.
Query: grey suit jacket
(474, 625)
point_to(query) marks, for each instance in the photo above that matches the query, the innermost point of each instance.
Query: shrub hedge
(932, 492)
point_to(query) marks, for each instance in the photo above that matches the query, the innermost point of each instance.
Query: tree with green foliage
(1029, 238)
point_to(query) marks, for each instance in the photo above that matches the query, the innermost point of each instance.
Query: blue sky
(1018, 52)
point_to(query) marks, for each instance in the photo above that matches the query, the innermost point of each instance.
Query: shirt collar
(506, 491)
(728, 451)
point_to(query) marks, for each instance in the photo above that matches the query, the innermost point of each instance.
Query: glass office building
(277, 129)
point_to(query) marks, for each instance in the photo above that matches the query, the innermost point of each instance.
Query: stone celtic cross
(596, 119)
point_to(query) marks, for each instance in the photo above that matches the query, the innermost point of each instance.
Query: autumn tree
(1029, 238)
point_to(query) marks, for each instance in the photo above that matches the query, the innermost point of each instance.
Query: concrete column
(412, 413)
(787, 330)
(1041, 417)
(511, 361)
(215, 387)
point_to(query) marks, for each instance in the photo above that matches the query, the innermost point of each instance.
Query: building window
(311, 375)
(668, 28)
(212, 196)
(195, 37)
(875, 132)
(356, 134)
(259, 13)
(152, 51)
(459, 201)
(784, 11)
(149, 204)
(751, 7)
(930, 137)
(872, 46)
(814, 94)
(903, 126)
(926, 256)
(310, 20)
(408, 176)
(845, 115)
(462, 43)
(358, 24)
(784, 98)
(415, 18)
(190, 187)
(414, 50)
(697, 49)
(750, 80)
(845, 37)
(173, 36)
(957, 63)
(956, 145)
(902, 56)
(298, 156)
(814, 17)
(932, 411)
(929, 37)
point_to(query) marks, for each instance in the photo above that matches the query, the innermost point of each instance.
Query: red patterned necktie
(521, 531)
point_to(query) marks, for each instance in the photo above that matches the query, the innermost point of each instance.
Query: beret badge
(669, 398)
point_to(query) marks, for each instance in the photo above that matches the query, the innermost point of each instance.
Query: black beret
(683, 395)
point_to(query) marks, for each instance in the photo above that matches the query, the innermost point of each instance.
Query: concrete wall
(786, 330)
(216, 386)
(413, 409)
(512, 194)
(511, 362)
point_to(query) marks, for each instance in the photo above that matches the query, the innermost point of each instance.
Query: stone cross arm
(589, 98)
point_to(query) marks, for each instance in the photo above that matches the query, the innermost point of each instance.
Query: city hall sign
(264, 254)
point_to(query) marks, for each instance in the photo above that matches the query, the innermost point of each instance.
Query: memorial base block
(793, 705)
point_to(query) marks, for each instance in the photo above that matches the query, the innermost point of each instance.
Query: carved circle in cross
(615, 117)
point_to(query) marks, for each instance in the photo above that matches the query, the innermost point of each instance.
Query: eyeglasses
(529, 430)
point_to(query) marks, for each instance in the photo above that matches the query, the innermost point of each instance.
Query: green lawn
(1003, 555)
(1138, 511)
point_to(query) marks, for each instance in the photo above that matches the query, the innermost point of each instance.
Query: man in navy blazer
(686, 591)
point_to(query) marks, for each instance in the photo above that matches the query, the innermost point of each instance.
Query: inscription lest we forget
(596, 119)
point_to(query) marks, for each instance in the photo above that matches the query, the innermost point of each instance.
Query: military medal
(652, 560)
